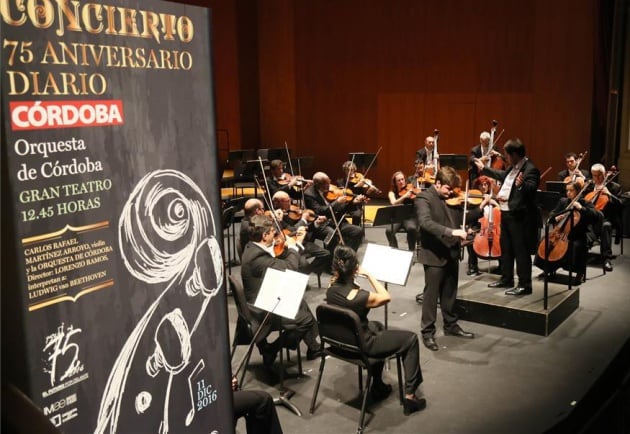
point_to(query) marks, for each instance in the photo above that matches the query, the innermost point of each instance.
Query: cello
(558, 240)
(495, 160)
(487, 243)
(599, 197)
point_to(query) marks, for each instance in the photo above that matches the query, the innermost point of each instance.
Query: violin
(295, 213)
(335, 193)
(359, 178)
(415, 191)
(458, 197)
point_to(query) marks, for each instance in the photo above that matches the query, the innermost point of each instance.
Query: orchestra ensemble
(317, 225)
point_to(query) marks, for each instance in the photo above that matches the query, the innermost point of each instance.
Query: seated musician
(588, 215)
(335, 205)
(379, 341)
(484, 184)
(402, 193)
(259, 255)
(258, 409)
(358, 185)
(251, 208)
(279, 180)
(478, 151)
(572, 171)
(604, 196)
(320, 257)
(428, 155)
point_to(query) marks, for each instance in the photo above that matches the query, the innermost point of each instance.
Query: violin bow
(372, 162)
(269, 198)
(348, 175)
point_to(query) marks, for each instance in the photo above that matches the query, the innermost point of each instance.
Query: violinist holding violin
(603, 194)
(587, 215)
(519, 216)
(282, 181)
(325, 200)
(259, 255)
(440, 242)
(294, 218)
(402, 193)
(358, 184)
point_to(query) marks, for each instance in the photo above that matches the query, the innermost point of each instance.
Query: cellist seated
(603, 194)
(484, 184)
(573, 237)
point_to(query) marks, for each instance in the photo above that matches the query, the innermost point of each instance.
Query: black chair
(342, 337)
(248, 324)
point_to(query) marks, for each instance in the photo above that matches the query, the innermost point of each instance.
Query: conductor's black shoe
(457, 331)
(419, 298)
(314, 354)
(430, 344)
(519, 290)
(608, 265)
(501, 284)
(473, 271)
(413, 405)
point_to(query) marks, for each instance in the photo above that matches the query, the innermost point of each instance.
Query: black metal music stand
(241, 155)
(251, 169)
(456, 161)
(278, 154)
(389, 215)
(362, 160)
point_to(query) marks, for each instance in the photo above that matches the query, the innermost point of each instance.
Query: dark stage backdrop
(113, 303)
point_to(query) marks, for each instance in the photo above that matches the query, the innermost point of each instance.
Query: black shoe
(501, 284)
(314, 354)
(379, 393)
(519, 290)
(419, 298)
(430, 344)
(269, 354)
(607, 265)
(413, 405)
(457, 331)
(473, 271)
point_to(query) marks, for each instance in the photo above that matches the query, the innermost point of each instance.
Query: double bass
(494, 160)
(576, 173)
(559, 236)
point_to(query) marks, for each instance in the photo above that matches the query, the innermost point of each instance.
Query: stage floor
(502, 381)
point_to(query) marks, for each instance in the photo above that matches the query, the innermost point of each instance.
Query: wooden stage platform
(478, 303)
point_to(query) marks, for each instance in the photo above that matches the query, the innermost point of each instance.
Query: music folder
(388, 264)
(284, 289)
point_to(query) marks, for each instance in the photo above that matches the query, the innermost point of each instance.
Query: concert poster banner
(113, 286)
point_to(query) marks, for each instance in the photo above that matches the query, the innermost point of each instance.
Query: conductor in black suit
(440, 243)
(519, 216)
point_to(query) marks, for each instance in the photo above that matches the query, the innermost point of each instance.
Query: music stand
(278, 154)
(362, 160)
(241, 155)
(556, 186)
(456, 161)
(302, 162)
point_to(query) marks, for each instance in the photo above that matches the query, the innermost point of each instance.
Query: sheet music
(288, 286)
(387, 264)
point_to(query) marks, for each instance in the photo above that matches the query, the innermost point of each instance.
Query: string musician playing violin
(603, 194)
(359, 185)
(259, 255)
(400, 193)
(282, 181)
(440, 242)
(294, 218)
(334, 203)
(576, 237)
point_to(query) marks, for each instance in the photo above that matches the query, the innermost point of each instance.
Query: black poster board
(113, 312)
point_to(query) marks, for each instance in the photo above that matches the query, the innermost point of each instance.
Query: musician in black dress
(380, 342)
